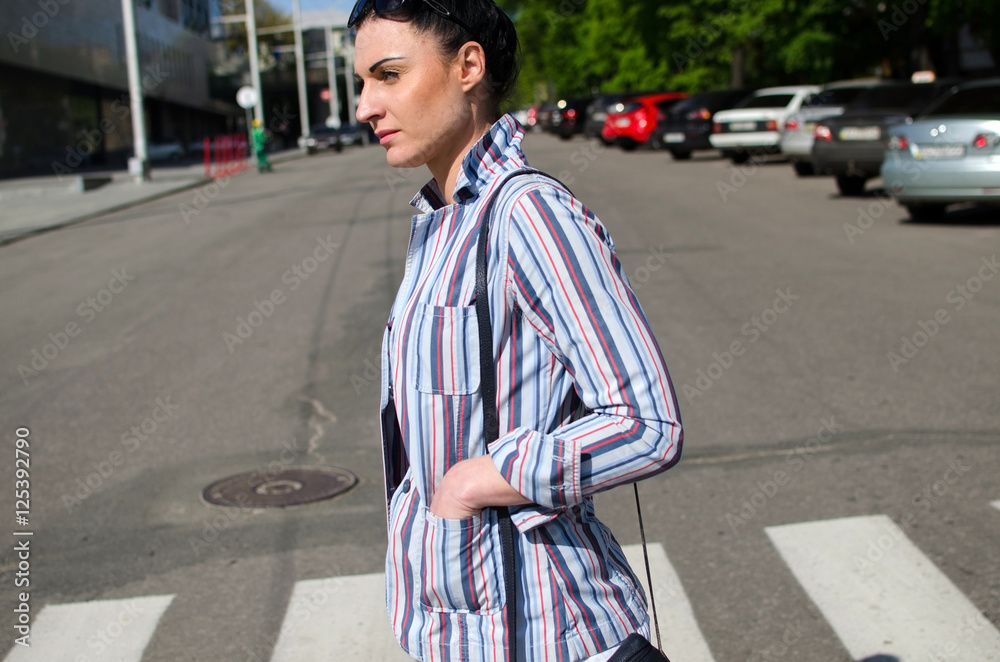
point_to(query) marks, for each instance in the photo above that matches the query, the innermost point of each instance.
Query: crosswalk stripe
(880, 594)
(345, 619)
(682, 638)
(106, 630)
(996, 504)
(338, 618)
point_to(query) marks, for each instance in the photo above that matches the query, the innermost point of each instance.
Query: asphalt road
(781, 308)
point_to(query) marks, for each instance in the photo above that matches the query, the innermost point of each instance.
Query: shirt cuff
(542, 468)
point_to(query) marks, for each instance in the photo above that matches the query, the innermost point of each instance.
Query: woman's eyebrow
(375, 66)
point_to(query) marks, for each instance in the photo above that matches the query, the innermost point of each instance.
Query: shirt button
(405, 486)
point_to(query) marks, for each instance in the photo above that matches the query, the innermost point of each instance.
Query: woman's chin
(398, 158)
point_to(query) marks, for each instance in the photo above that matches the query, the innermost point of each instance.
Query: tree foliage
(576, 47)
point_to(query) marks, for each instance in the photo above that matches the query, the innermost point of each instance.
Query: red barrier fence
(226, 155)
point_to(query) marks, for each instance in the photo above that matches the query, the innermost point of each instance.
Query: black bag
(635, 648)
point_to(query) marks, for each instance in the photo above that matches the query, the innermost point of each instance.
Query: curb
(18, 235)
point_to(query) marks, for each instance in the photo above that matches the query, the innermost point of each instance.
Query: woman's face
(412, 98)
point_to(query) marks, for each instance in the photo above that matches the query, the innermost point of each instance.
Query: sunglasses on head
(389, 8)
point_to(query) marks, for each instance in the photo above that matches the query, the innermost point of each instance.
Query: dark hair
(494, 31)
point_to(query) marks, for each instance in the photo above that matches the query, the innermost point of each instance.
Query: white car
(754, 125)
(797, 133)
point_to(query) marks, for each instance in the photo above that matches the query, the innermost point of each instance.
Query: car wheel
(926, 212)
(680, 154)
(851, 184)
(566, 136)
(628, 144)
(804, 169)
(739, 158)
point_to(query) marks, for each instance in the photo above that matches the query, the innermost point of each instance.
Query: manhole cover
(288, 486)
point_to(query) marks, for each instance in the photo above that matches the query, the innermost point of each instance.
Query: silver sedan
(949, 154)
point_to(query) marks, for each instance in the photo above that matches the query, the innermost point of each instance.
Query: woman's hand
(471, 485)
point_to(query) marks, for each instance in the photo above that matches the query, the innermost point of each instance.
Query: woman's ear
(472, 60)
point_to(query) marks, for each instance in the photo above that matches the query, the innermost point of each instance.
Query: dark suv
(687, 124)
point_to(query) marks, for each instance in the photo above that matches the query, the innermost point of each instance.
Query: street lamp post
(138, 165)
(300, 69)
(254, 65)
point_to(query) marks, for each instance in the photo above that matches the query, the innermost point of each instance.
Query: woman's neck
(446, 168)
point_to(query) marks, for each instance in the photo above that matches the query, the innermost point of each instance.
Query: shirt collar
(487, 158)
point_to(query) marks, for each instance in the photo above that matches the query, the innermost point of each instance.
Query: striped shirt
(585, 404)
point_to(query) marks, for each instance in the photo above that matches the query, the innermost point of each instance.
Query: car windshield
(838, 96)
(894, 97)
(979, 100)
(767, 101)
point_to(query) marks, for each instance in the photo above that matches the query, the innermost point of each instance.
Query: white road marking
(996, 504)
(880, 594)
(338, 618)
(682, 638)
(105, 630)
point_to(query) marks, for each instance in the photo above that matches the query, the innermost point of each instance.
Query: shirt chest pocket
(444, 347)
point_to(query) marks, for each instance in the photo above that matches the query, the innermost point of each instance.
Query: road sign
(247, 97)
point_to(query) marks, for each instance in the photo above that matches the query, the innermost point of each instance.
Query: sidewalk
(40, 204)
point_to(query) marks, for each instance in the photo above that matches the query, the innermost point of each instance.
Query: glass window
(767, 101)
(970, 101)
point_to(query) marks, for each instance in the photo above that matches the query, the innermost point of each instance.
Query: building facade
(64, 101)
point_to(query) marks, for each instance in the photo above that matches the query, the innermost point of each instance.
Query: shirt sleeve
(565, 279)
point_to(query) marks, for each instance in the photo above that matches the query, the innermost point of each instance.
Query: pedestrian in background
(260, 146)
(585, 401)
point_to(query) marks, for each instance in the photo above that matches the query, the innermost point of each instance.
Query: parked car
(171, 150)
(597, 113)
(950, 153)
(687, 125)
(632, 122)
(754, 124)
(545, 112)
(320, 137)
(797, 133)
(851, 147)
(568, 117)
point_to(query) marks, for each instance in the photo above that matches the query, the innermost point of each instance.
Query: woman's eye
(389, 74)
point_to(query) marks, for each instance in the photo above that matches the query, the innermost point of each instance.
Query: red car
(631, 122)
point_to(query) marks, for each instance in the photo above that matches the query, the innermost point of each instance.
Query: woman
(584, 397)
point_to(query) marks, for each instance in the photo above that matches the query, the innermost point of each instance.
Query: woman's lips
(383, 138)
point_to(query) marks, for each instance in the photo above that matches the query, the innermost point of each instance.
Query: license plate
(623, 122)
(742, 126)
(930, 152)
(673, 137)
(860, 133)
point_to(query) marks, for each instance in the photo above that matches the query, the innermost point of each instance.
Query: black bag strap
(491, 418)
